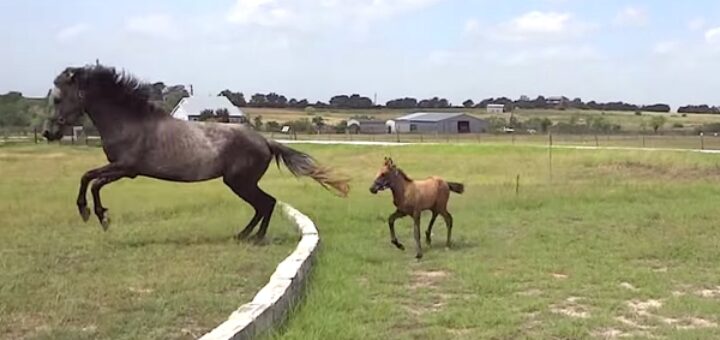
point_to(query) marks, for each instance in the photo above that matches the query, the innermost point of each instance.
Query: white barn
(495, 108)
(189, 108)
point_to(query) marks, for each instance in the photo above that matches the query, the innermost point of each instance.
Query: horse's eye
(61, 120)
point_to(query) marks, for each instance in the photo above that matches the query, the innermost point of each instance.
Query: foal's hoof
(240, 237)
(84, 213)
(418, 256)
(428, 240)
(398, 245)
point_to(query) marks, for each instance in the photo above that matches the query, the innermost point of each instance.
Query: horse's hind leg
(249, 193)
(416, 234)
(268, 203)
(449, 223)
(428, 232)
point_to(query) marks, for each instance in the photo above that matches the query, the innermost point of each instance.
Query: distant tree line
(356, 101)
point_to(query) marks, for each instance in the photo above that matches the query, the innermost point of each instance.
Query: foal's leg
(416, 233)
(449, 223)
(84, 182)
(100, 211)
(428, 232)
(391, 223)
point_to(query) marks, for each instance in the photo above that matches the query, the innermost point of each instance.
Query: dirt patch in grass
(425, 279)
(571, 308)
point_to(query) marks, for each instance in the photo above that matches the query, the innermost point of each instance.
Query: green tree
(657, 122)
(258, 122)
(319, 122)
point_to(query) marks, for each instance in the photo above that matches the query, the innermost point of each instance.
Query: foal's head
(385, 176)
(66, 99)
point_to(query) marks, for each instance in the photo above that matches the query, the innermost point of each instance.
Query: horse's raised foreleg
(391, 223)
(416, 234)
(449, 223)
(428, 232)
(84, 182)
(100, 211)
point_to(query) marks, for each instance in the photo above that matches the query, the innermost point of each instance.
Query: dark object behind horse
(411, 198)
(140, 139)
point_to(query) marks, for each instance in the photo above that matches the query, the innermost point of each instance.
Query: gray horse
(140, 139)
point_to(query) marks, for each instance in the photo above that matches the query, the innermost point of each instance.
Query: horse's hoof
(258, 240)
(105, 221)
(84, 213)
(398, 245)
(418, 256)
(428, 241)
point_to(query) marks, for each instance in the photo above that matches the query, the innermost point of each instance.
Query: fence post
(35, 134)
(397, 136)
(517, 185)
(597, 143)
(702, 141)
(643, 140)
(550, 144)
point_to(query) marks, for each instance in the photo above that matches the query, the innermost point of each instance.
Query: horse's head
(383, 178)
(67, 101)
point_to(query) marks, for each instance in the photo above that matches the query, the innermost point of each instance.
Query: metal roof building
(189, 108)
(439, 122)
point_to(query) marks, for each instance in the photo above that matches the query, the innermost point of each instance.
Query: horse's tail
(456, 187)
(302, 164)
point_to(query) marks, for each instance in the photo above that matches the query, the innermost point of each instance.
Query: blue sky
(638, 51)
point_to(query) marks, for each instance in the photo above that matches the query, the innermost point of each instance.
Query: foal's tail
(302, 164)
(456, 187)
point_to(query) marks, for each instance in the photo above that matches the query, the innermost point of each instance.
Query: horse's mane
(122, 88)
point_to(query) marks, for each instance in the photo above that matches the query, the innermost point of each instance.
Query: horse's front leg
(100, 211)
(391, 224)
(416, 233)
(84, 182)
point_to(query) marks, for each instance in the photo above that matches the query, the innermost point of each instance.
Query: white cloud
(305, 14)
(472, 26)
(632, 16)
(71, 32)
(712, 36)
(665, 47)
(539, 26)
(154, 25)
(696, 24)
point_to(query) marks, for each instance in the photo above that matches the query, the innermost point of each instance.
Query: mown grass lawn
(168, 268)
(620, 243)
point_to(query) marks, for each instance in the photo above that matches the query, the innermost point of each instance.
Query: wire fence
(699, 142)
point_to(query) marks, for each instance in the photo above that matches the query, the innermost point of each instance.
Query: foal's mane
(403, 174)
(121, 88)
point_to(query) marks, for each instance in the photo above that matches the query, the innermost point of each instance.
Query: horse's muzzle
(52, 136)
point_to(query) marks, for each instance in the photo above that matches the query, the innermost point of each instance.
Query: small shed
(440, 122)
(189, 108)
(366, 126)
(495, 108)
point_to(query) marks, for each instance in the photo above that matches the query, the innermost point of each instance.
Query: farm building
(189, 108)
(440, 122)
(495, 108)
(356, 126)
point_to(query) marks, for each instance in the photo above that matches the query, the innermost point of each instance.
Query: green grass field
(617, 243)
(167, 268)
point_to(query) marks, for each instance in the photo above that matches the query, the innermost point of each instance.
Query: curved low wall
(272, 303)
